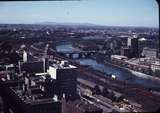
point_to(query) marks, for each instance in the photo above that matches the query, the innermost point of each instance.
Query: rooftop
(62, 65)
(33, 99)
(119, 57)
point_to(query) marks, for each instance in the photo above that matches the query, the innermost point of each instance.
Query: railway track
(147, 94)
(113, 84)
(118, 84)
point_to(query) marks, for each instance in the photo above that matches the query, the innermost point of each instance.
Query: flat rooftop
(62, 65)
(33, 99)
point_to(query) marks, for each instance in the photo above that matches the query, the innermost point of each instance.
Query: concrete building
(27, 57)
(65, 76)
(126, 51)
(27, 97)
(24, 56)
(155, 66)
(118, 57)
(129, 41)
(149, 53)
(132, 43)
(32, 66)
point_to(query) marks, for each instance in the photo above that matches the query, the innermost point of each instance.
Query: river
(121, 74)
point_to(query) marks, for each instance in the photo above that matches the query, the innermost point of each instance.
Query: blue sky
(103, 12)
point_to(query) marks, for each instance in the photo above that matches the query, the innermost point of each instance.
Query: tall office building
(132, 43)
(129, 42)
(126, 51)
(66, 78)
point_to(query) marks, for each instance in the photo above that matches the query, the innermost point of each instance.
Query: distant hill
(68, 24)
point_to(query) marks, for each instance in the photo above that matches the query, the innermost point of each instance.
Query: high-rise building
(126, 51)
(129, 41)
(132, 43)
(66, 78)
(134, 47)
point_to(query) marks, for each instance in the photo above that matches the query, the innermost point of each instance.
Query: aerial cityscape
(79, 56)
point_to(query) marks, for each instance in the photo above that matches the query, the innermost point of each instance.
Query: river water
(121, 74)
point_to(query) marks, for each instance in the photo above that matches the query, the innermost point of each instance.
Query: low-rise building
(27, 97)
(149, 53)
(155, 66)
(118, 57)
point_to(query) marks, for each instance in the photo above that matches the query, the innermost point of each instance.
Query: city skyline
(137, 13)
(79, 56)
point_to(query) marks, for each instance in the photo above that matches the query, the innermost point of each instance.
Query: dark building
(126, 51)
(35, 92)
(134, 47)
(32, 66)
(27, 97)
(132, 43)
(50, 87)
(158, 53)
(66, 78)
(1, 105)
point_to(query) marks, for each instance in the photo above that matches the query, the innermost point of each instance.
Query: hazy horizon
(130, 13)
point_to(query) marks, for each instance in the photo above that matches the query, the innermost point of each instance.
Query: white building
(57, 67)
(155, 66)
(118, 57)
(24, 56)
(149, 53)
(65, 76)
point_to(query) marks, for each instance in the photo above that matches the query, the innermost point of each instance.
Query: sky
(143, 13)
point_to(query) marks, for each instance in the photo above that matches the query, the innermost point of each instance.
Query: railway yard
(135, 98)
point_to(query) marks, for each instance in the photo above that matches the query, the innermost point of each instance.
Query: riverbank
(136, 73)
(122, 73)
